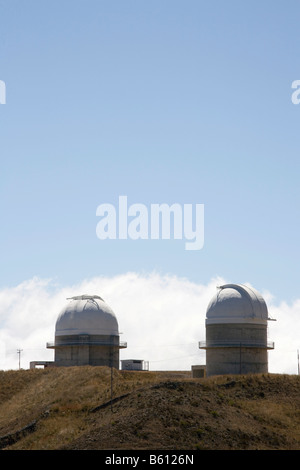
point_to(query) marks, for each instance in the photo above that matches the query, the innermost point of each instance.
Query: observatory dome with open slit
(86, 314)
(236, 303)
(236, 331)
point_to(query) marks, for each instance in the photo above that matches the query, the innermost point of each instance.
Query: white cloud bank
(162, 319)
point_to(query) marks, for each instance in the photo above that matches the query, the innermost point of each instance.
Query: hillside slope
(71, 408)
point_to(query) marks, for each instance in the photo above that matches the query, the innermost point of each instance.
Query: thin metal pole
(111, 373)
(19, 352)
(298, 362)
(111, 387)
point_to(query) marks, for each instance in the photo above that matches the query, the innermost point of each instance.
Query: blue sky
(162, 101)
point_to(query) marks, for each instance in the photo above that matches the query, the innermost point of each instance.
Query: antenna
(19, 352)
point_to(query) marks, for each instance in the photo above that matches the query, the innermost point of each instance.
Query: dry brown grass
(159, 410)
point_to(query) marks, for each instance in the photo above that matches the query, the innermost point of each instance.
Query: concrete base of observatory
(236, 361)
(236, 349)
(85, 350)
(86, 355)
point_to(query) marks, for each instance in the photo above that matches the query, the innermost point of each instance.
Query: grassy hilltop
(71, 408)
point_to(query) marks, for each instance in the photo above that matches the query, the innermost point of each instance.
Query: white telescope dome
(86, 315)
(237, 303)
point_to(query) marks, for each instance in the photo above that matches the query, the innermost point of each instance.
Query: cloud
(162, 319)
(285, 333)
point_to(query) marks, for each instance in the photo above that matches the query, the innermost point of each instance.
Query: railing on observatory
(250, 343)
(85, 342)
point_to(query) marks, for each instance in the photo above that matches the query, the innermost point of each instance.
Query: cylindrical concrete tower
(86, 333)
(236, 332)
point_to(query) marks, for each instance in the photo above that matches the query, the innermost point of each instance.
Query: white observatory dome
(236, 303)
(86, 315)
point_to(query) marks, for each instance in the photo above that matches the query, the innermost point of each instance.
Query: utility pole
(19, 352)
(111, 388)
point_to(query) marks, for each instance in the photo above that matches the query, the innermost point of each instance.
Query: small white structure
(35, 364)
(134, 364)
